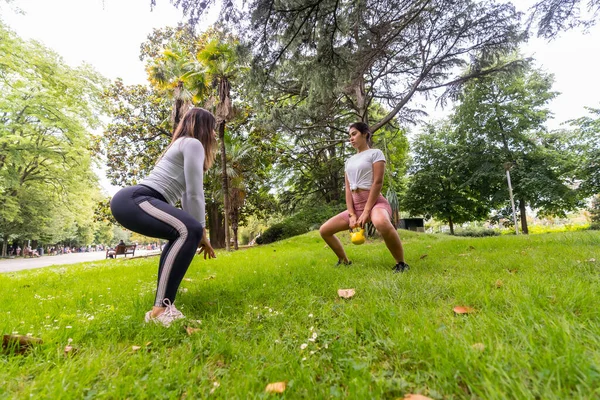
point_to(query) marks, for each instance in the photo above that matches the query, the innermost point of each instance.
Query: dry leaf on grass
(19, 343)
(478, 346)
(277, 387)
(190, 331)
(416, 397)
(463, 310)
(346, 293)
(499, 283)
(187, 279)
(591, 260)
(423, 256)
(135, 348)
(209, 277)
(512, 271)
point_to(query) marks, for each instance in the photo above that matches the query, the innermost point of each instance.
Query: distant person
(364, 178)
(149, 208)
(121, 243)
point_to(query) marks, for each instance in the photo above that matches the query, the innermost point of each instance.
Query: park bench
(121, 250)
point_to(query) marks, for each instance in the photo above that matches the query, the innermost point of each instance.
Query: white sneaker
(167, 317)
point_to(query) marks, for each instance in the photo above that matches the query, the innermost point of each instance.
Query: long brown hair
(200, 124)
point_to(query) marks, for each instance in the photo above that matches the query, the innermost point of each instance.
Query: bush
(535, 229)
(299, 223)
(478, 232)
(595, 226)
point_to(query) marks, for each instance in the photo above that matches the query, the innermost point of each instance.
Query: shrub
(299, 223)
(478, 232)
(595, 226)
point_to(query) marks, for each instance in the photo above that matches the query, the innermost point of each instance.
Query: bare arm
(193, 167)
(350, 203)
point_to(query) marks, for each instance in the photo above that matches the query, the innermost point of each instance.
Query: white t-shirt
(359, 168)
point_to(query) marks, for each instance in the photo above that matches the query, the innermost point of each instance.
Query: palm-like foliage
(182, 77)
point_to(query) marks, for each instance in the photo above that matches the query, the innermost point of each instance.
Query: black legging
(143, 210)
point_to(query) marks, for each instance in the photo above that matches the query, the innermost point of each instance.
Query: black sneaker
(340, 262)
(401, 267)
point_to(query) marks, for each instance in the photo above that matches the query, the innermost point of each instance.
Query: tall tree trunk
(234, 223)
(180, 106)
(5, 246)
(522, 205)
(215, 226)
(225, 183)
(451, 225)
(234, 228)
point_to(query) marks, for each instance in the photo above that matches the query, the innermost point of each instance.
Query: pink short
(360, 200)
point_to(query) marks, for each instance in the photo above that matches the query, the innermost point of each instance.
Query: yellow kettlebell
(357, 236)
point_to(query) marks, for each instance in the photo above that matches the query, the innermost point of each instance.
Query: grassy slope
(537, 315)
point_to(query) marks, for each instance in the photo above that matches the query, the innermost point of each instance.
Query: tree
(219, 56)
(442, 180)
(46, 111)
(595, 212)
(554, 16)
(586, 147)
(507, 112)
(180, 76)
(138, 133)
(330, 53)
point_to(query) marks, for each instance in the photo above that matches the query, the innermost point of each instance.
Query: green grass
(537, 314)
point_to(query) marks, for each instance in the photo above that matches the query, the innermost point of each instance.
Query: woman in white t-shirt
(364, 202)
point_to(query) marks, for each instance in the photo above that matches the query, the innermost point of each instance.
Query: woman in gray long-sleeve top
(149, 208)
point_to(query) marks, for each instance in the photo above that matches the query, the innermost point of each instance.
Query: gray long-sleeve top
(179, 175)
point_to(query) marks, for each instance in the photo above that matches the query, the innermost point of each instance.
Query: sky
(107, 34)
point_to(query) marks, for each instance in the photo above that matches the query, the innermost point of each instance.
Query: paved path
(20, 263)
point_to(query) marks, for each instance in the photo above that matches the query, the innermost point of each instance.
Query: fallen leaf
(499, 283)
(190, 331)
(423, 256)
(209, 277)
(463, 310)
(135, 348)
(277, 387)
(346, 293)
(471, 248)
(187, 279)
(148, 344)
(428, 247)
(512, 271)
(478, 346)
(591, 260)
(416, 397)
(19, 343)
(462, 255)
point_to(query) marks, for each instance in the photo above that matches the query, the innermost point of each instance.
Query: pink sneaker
(167, 317)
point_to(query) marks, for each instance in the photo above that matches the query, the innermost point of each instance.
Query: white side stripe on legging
(173, 250)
